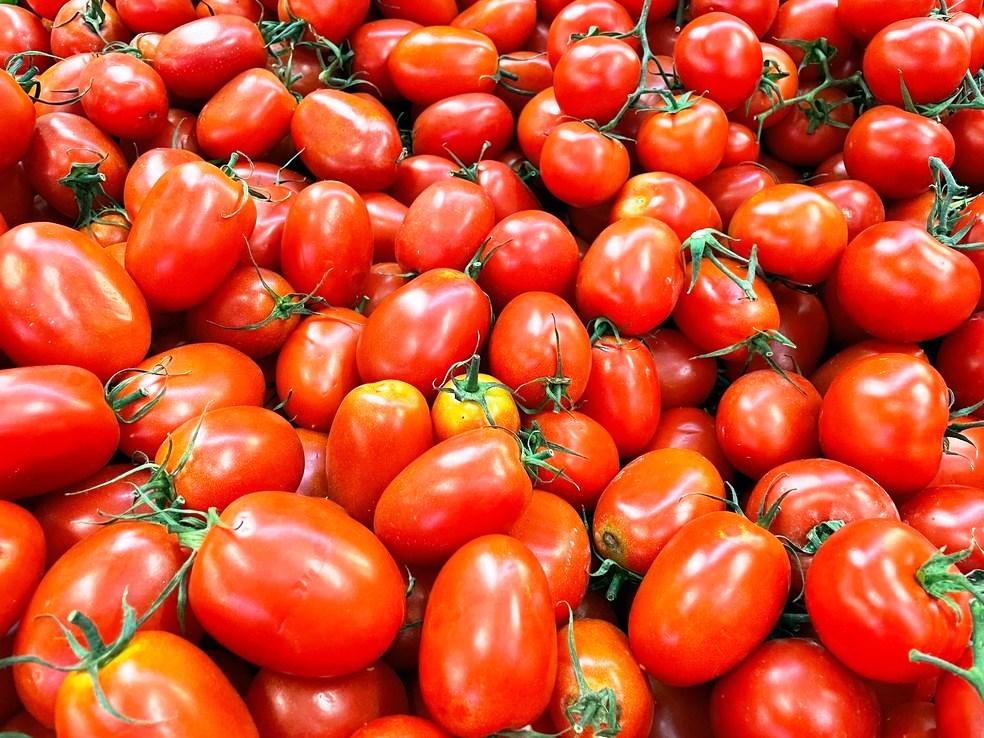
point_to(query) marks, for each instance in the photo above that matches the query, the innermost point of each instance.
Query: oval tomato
(948, 516)
(717, 54)
(124, 96)
(436, 62)
(582, 166)
(22, 556)
(668, 198)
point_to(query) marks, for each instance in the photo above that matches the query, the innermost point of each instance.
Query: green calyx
(706, 244)
(86, 182)
(471, 388)
(759, 343)
(535, 454)
(950, 202)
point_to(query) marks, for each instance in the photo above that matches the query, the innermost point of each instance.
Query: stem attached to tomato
(974, 675)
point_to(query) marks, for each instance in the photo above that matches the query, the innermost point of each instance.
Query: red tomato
(810, 20)
(146, 171)
(803, 320)
(682, 636)
(135, 558)
(579, 17)
(508, 23)
(314, 481)
(326, 247)
(632, 275)
(416, 173)
(250, 609)
(864, 18)
(961, 361)
(858, 202)
(794, 687)
(717, 54)
(869, 608)
(284, 705)
(959, 709)
(508, 192)
(536, 121)
(386, 215)
(199, 57)
(372, 43)
(384, 279)
(53, 278)
(898, 283)
(554, 531)
(470, 126)
(364, 147)
(798, 140)
(966, 126)
(436, 62)
(741, 146)
(689, 143)
(948, 517)
(418, 332)
(19, 119)
(649, 501)
(730, 186)
(680, 712)
(691, 428)
(758, 14)
(964, 464)
(533, 75)
(71, 33)
(22, 556)
(581, 166)
(20, 31)
(910, 720)
(541, 350)
(124, 96)
(400, 726)
(595, 76)
(683, 380)
(425, 12)
(488, 651)
(668, 198)
(142, 16)
(334, 20)
(469, 485)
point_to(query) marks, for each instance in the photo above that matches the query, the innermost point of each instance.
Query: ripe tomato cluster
(472, 368)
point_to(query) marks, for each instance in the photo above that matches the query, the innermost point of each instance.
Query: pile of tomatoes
(471, 368)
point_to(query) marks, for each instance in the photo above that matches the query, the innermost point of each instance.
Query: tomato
(364, 148)
(809, 20)
(507, 190)
(470, 126)
(508, 23)
(649, 501)
(135, 558)
(604, 662)
(858, 202)
(910, 720)
(19, 114)
(536, 121)
(248, 608)
(400, 726)
(141, 16)
(178, 684)
(683, 380)
(689, 143)
(810, 493)
(174, 386)
(488, 650)
(836, 364)
(199, 57)
(803, 320)
(139, 113)
(384, 279)
(444, 227)
(791, 687)
(436, 62)
(440, 501)
(62, 140)
(533, 75)
(25, 724)
(588, 465)
(16, 195)
(668, 198)
(595, 76)
(961, 361)
(579, 17)
(799, 232)
(888, 148)
(179, 133)
(730, 186)
(223, 128)
(959, 709)
(869, 608)
(72, 34)
(717, 54)
(415, 174)
(581, 166)
(20, 31)
(314, 481)
(528, 251)
(680, 634)
(740, 147)
(554, 531)
(372, 43)
(864, 18)
(22, 560)
(948, 516)
(964, 463)
(680, 712)
(965, 126)
(281, 704)
(317, 366)
(797, 140)
(892, 263)
(691, 428)
(417, 333)
(386, 215)
(55, 278)
(473, 400)
(540, 348)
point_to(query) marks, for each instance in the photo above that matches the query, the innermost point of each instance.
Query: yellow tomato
(470, 401)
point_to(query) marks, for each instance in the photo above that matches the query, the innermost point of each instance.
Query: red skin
(949, 516)
(22, 561)
(314, 482)
(691, 428)
(683, 380)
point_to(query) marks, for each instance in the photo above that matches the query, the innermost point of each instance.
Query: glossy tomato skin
(691, 428)
(948, 516)
(683, 638)
(326, 246)
(364, 148)
(793, 687)
(623, 392)
(555, 533)
(605, 661)
(198, 376)
(441, 501)
(159, 678)
(524, 348)
(334, 20)
(386, 214)
(284, 706)
(488, 652)
(683, 381)
(169, 240)
(249, 609)
(419, 331)
(415, 174)
(465, 125)
(632, 275)
(964, 464)
(20, 116)
(718, 54)
(71, 35)
(317, 367)
(859, 203)
(961, 361)
(436, 62)
(891, 264)
(22, 555)
(368, 419)
(581, 166)
(197, 58)
(885, 415)
(830, 369)
(959, 709)
(400, 726)
(138, 113)
(594, 77)
(23, 31)
(647, 502)
(137, 558)
(64, 300)
(403, 653)
(539, 116)
(803, 320)
(870, 610)
(579, 16)
(146, 171)
(56, 428)
(689, 143)
(372, 44)
(680, 712)
(668, 198)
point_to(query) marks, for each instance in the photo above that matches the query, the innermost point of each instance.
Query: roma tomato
(385, 278)
(372, 43)
(22, 557)
(314, 481)
(74, 32)
(668, 198)
(632, 275)
(869, 608)
(680, 634)
(169, 239)
(488, 651)
(64, 300)
(418, 332)
(436, 62)
(473, 400)
(316, 367)
(469, 126)
(689, 142)
(717, 54)
(143, 17)
(582, 166)
(367, 421)
(649, 501)
(803, 320)
(470, 485)
(508, 23)
(250, 609)
(19, 116)
(683, 380)
(948, 516)
(20, 31)
(146, 171)
(416, 173)
(386, 214)
(124, 96)
(680, 712)
(691, 428)
(364, 147)
(540, 348)
(334, 20)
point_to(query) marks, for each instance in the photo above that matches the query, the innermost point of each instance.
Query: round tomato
(139, 113)
(718, 55)
(595, 76)
(689, 142)
(473, 400)
(859, 203)
(22, 557)
(582, 166)
(948, 516)
(668, 198)
(683, 380)
(961, 361)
